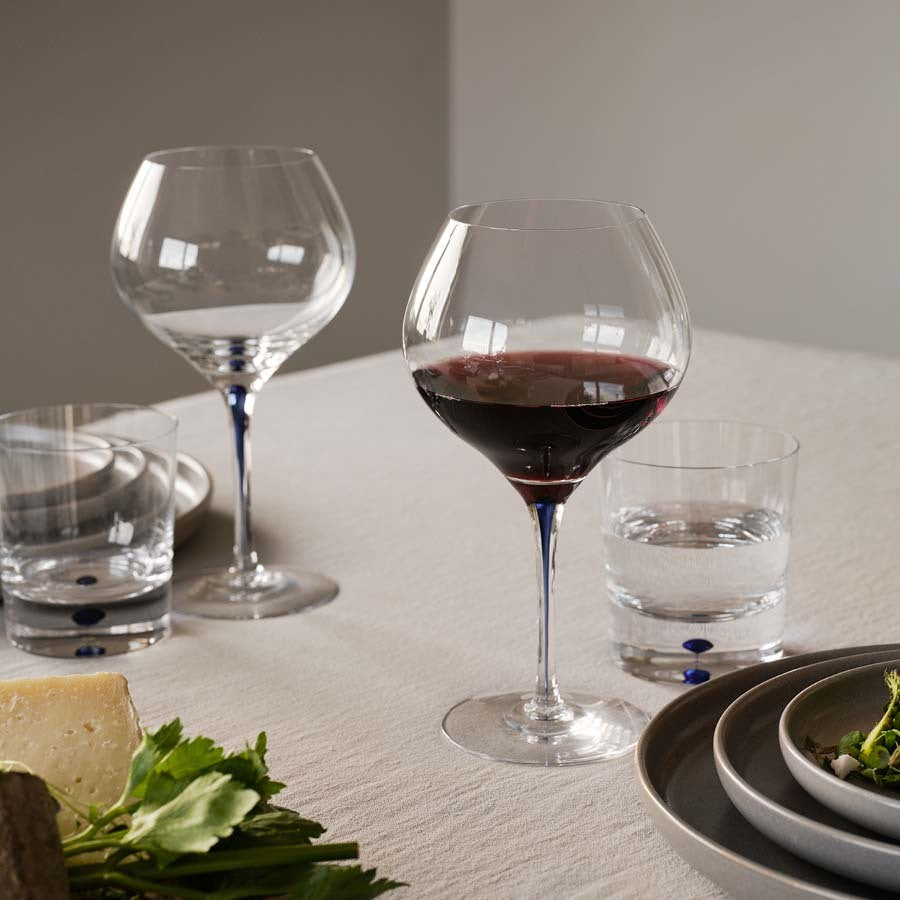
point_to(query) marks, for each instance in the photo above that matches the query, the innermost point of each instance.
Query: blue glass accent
(237, 399)
(695, 676)
(88, 615)
(89, 650)
(237, 365)
(545, 513)
(86, 580)
(697, 645)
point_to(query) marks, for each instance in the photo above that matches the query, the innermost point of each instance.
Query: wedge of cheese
(78, 732)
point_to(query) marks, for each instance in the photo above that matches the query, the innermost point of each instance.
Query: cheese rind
(77, 732)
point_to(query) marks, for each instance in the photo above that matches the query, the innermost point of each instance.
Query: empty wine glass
(545, 333)
(235, 257)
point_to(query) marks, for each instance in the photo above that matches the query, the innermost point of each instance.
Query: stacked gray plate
(193, 495)
(757, 832)
(106, 480)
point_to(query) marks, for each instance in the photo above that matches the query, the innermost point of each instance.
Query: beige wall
(89, 87)
(762, 137)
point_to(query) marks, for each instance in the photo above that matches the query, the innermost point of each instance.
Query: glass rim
(792, 441)
(6, 418)
(301, 155)
(638, 213)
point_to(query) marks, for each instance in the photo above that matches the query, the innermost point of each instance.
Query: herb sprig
(196, 822)
(875, 755)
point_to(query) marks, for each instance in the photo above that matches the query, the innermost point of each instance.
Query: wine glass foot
(585, 729)
(260, 594)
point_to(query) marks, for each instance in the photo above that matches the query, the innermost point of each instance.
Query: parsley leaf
(153, 747)
(249, 767)
(340, 883)
(192, 820)
(275, 825)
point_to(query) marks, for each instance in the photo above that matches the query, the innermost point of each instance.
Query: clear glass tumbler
(86, 524)
(696, 532)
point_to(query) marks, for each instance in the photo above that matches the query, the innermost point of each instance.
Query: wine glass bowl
(545, 333)
(235, 257)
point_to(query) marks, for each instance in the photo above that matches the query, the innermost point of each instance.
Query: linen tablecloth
(354, 477)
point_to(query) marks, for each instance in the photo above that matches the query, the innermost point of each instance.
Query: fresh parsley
(196, 822)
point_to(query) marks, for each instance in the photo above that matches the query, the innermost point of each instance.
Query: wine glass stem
(240, 401)
(546, 703)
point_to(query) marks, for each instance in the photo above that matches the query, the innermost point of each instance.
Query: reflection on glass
(600, 333)
(602, 392)
(598, 310)
(484, 336)
(439, 278)
(176, 254)
(136, 209)
(286, 253)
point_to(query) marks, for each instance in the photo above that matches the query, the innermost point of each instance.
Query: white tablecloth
(433, 551)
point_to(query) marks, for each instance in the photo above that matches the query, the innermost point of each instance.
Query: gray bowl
(825, 712)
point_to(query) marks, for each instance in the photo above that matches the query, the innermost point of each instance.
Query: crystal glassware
(235, 257)
(696, 520)
(545, 333)
(86, 517)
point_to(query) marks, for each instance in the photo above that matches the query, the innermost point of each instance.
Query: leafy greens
(875, 755)
(196, 822)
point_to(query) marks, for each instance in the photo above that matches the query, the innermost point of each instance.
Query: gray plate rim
(48, 495)
(886, 802)
(674, 828)
(189, 519)
(193, 485)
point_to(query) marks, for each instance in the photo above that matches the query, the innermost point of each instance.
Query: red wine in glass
(545, 418)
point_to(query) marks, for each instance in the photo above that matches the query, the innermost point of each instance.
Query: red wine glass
(545, 333)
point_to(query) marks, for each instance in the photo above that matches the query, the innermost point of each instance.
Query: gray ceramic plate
(825, 712)
(193, 495)
(53, 482)
(678, 784)
(752, 771)
(118, 490)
